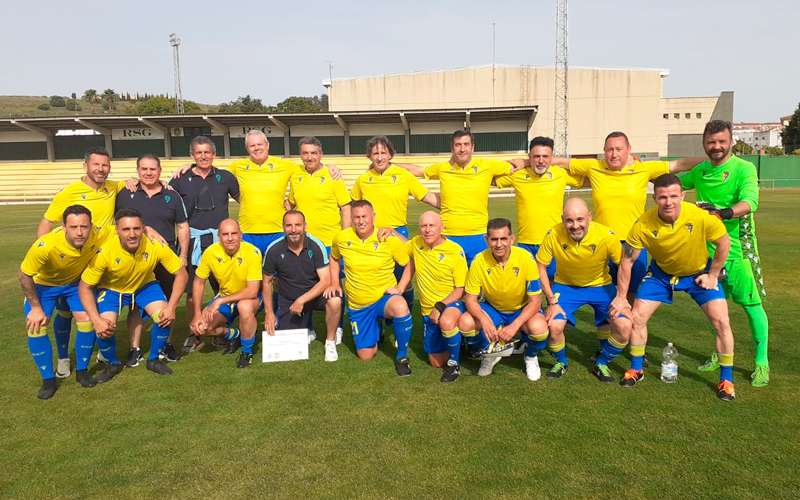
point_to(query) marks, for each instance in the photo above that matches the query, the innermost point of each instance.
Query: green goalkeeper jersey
(724, 186)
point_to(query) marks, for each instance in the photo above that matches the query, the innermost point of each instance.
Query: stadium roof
(50, 125)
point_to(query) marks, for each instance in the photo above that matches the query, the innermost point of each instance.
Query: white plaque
(285, 345)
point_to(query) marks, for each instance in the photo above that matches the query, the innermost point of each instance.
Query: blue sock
(532, 347)
(477, 342)
(610, 350)
(637, 363)
(42, 352)
(454, 346)
(61, 328)
(402, 332)
(84, 344)
(231, 334)
(247, 344)
(158, 339)
(109, 348)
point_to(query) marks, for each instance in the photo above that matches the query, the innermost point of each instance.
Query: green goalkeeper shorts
(740, 284)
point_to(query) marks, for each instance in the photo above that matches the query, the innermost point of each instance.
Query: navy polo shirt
(161, 211)
(296, 274)
(206, 200)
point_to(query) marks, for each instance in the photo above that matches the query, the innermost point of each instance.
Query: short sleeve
(583, 166)
(532, 270)
(635, 237)
(291, 197)
(203, 270)
(254, 265)
(714, 228)
(473, 284)
(94, 271)
(656, 168)
(341, 194)
(415, 187)
(688, 179)
(56, 208)
(171, 262)
(432, 171)
(399, 253)
(180, 211)
(534, 287)
(575, 181)
(269, 267)
(35, 258)
(460, 270)
(499, 167)
(233, 185)
(335, 248)
(614, 247)
(356, 193)
(545, 253)
(504, 181)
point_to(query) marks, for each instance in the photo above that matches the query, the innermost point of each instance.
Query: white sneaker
(330, 351)
(62, 369)
(487, 365)
(532, 369)
(312, 336)
(339, 334)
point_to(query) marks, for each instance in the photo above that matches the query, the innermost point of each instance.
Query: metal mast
(176, 64)
(561, 115)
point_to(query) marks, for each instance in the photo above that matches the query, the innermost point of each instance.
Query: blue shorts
(113, 301)
(533, 249)
(498, 317)
(571, 298)
(64, 297)
(261, 240)
(658, 286)
(365, 324)
(637, 272)
(472, 244)
(230, 311)
(433, 341)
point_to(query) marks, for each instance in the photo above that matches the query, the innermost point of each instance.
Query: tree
(89, 95)
(110, 99)
(43, 106)
(163, 105)
(73, 106)
(57, 101)
(742, 148)
(245, 104)
(790, 137)
(296, 104)
(774, 150)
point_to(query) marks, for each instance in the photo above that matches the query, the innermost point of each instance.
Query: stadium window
(666, 116)
(676, 115)
(699, 115)
(688, 115)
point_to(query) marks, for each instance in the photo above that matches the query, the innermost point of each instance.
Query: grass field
(350, 429)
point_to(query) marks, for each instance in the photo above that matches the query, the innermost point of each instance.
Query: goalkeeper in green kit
(727, 186)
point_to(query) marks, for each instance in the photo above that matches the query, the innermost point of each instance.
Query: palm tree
(110, 97)
(90, 95)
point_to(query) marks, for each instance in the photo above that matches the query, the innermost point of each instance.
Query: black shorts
(289, 321)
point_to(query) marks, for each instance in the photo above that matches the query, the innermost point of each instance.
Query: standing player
(388, 187)
(237, 267)
(539, 195)
(464, 186)
(727, 186)
(372, 291)
(582, 250)
(122, 271)
(314, 192)
(441, 272)
(49, 275)
(676, 234)
(506, 278)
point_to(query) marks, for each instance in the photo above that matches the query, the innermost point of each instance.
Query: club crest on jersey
(41, 244)
(489, 271)
(441, 257)
(167, 198)
(564, 246)
(655, 233)
(300, 179)
(117, 260)
(322, 180)
(348, 243)
(549, 175)
(516, 270)
(725, 175)
(690, 227)
(145, 255)
(375, 245)
(83, 196)
(394, 179)
(61, 256)
(475, 169)
(593, 248)
(219, 259)
(239, 260)
(310, 254)
(219, 178)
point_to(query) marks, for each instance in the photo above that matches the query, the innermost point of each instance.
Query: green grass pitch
(348, 429)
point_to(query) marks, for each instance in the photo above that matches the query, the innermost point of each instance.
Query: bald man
(581, 250)
(236, 265)
(441, 270)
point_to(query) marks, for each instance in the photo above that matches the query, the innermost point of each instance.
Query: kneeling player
(122, 271)
(49, 276)
(372, 291)
(507, 278)
(236, 265)
(675, 233)
(441, 271)
(581, 250)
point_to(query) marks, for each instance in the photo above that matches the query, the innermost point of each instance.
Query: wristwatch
(440, 306)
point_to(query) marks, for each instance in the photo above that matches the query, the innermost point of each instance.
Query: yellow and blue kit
(100, 202)
(319, 197)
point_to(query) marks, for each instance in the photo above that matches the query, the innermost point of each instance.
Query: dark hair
(199, 140)
(148, 157)
(666, 180)
(97, 150)
(498, 223)
(716, 126)
(76, 210)
(380, 140)
(461, 133)
(617, 133)
(127, 212)
(360, 204)
(542, 141)
(310, 141)
(294, 212)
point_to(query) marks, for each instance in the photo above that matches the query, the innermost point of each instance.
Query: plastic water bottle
(669, 365)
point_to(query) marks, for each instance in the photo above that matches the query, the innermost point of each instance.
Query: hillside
(12, 106)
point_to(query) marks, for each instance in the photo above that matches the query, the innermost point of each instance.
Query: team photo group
(487, 289)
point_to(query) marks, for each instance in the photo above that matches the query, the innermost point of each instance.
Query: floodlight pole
(561, 70)
(175, 42)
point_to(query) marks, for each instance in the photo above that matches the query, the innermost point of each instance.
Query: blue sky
(272, 50)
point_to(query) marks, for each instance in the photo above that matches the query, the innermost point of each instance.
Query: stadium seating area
(38, 182)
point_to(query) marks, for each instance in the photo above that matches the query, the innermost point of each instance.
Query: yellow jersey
(618, 196)
(100, 202)
(388, 192)
(231, 271)
(368, 265)
(115, 268)
(539, 199)
(319, 197)
(262, 189)
(679, 249)
(53, 261)
(581, 263)
(438, 270)
(465, 193)
(504, 286)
